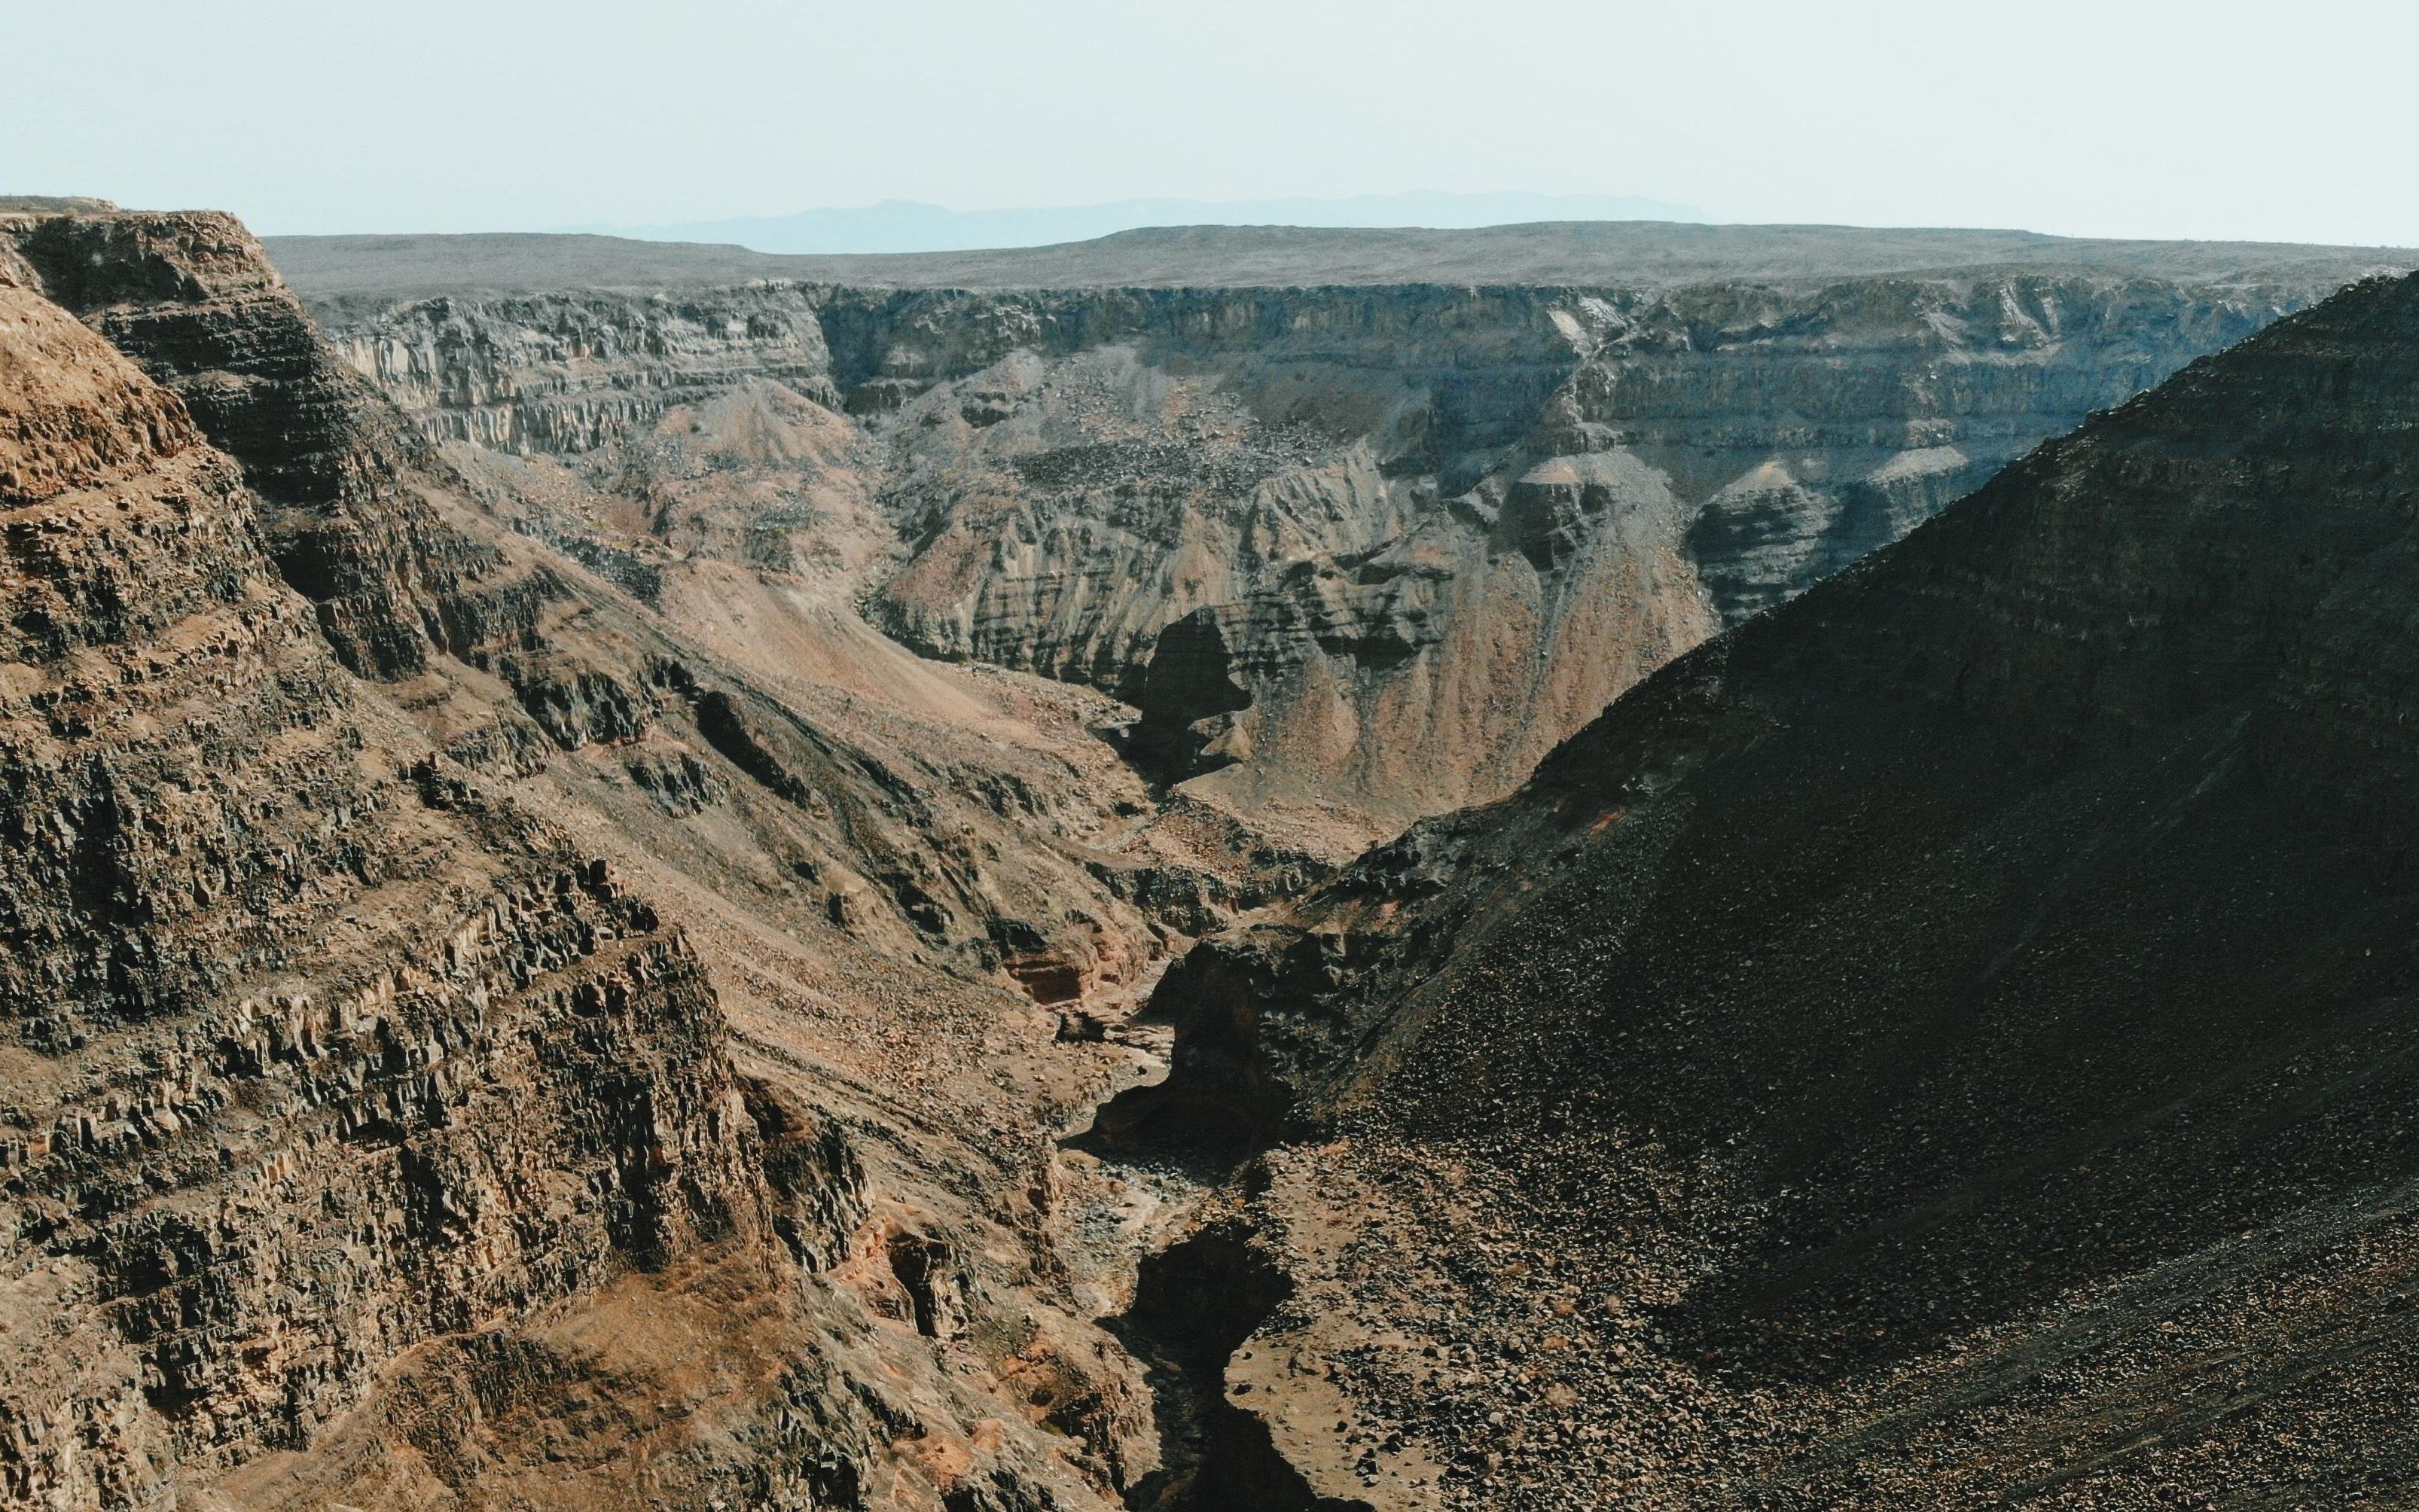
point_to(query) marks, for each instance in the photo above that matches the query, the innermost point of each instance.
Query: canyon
(1357, 553)
(1220, 867)
(469, 1042)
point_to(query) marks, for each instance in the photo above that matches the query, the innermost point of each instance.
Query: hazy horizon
(2216, 121)
(898, 225)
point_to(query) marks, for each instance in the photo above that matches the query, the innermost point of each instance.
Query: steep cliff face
(1440, 528)
(560, 372)
(1947, 1040)
(192, 299)
(313, 1057)
(678, 1127)
(431, 589)
(1435, 529)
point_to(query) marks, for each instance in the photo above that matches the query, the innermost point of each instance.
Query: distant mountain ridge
(908, 226)
(1597, 254)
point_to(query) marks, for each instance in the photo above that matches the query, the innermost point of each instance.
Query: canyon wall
(471, 1039)
(1406, 538)
(520, 988)
(192, 297)
(312, 1059)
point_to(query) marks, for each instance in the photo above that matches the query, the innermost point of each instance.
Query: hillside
(1947, 1040)
(470, 1039)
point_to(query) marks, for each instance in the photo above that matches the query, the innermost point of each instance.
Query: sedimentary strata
(470, 1040)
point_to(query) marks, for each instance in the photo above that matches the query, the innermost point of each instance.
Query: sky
(2286, 120)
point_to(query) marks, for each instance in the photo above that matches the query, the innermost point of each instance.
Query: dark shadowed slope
(1949, 1041)
(1636, 254)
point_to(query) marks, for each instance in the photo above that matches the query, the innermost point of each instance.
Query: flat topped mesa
(52, 205)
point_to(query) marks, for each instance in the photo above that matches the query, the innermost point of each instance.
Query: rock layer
(194, 300)
(312, 1056)
(475, 1041)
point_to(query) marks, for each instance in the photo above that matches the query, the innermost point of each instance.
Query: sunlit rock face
(309, 1061)
(470, 1038)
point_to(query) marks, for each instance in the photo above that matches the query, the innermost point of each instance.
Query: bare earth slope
(1946, 1042)
(1403, 537)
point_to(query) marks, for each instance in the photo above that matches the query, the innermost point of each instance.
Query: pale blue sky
(2126, 117)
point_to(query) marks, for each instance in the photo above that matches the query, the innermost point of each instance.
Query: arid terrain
(1560, 867)
(1359, 552)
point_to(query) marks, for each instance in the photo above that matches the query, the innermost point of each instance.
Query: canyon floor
(1552, 866)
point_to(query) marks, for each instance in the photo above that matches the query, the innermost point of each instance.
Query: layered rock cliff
(1345, 550)
(1436, 533)
(476, 1039)
(313, 1057)
(1945, 1042)
(1427, 531)
(192, 297)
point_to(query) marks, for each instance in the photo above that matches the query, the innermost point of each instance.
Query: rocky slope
(1947, 1040)
(313, 1057)
(1403, 538)
(473, 1039)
